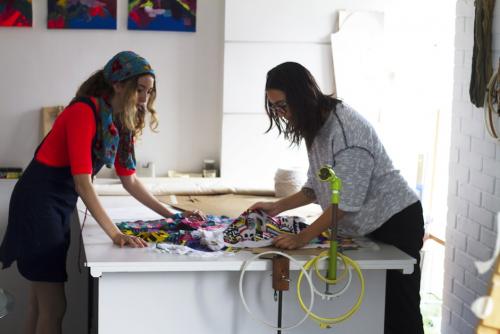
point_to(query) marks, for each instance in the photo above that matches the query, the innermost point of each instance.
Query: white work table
(141, 288)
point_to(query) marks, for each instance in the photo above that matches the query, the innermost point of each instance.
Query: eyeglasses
(279, 108)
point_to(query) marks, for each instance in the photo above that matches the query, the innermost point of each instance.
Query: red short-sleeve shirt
(69, 143)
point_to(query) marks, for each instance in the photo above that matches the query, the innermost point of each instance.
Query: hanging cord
(80, 243)
(493, 98)
(328, 295)
(327, 322)
(327, 174)
(303, 273)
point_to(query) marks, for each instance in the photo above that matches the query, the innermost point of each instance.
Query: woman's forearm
(135, 188)
(301, 198)
(86, 191)
(319, 225)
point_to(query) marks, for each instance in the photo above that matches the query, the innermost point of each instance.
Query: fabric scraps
(181, 230)
(253, 228)
(185, 250)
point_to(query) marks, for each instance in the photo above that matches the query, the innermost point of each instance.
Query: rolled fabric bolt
(288, 181)
(173, 199)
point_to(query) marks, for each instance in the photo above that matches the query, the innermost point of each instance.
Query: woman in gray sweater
(375, 200)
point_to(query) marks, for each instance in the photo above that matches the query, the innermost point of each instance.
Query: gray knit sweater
(372, 190)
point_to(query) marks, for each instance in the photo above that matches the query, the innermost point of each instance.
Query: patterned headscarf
(111, 137)
(124, 65)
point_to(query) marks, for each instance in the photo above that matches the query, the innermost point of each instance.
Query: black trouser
(405, 230)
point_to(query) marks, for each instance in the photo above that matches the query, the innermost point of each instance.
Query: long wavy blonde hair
(132, 117)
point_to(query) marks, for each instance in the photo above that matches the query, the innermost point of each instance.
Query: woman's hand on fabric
(195, 214)
(121, 240)
(288, 241)
(268, 207)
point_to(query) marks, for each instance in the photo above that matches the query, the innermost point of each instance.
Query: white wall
(259, 35)
(41, 67)
(474, 185)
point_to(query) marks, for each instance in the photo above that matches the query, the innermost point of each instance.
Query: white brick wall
(474, 190)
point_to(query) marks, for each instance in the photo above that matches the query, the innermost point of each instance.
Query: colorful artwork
(81, 14)
(166, 15)
(16, 13)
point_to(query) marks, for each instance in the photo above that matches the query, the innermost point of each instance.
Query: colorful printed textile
(124, 65)
(111, 138)
(184, 250)
(250, 229)
(180, 231)
(257, 229)
(110, 141)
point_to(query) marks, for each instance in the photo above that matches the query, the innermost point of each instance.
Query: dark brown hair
(307, 105)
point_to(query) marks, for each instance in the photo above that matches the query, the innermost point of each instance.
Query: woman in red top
(98, 128)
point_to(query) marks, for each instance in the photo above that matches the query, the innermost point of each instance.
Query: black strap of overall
(88, 101)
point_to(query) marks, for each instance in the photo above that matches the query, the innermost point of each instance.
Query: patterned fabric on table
(255, 228)
(177, 230)
(251, 229)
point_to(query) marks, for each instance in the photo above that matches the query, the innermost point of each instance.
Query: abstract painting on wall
(16, 13)
(81, 14)
(165, 15)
